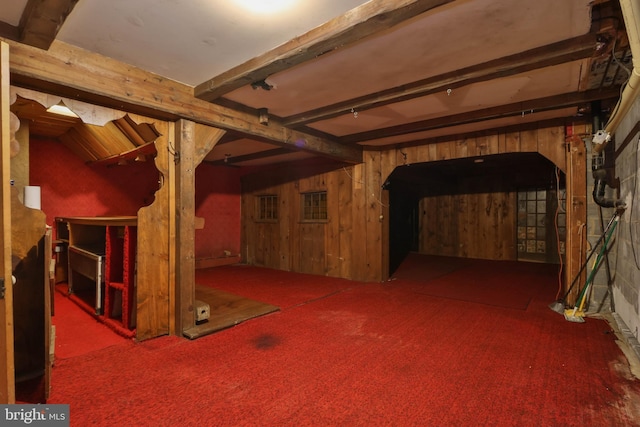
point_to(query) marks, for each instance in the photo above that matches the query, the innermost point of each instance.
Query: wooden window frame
(267, 208)
(313, 206)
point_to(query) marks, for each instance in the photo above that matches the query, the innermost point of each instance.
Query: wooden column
(185, 225)
(7, 376)
(156, 275)
(193, 143)
(576, 212)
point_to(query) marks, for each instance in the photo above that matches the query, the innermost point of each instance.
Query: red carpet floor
(77, 333)
(345, 353)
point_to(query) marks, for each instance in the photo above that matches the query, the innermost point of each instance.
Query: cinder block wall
(626, 283)
(600, 294)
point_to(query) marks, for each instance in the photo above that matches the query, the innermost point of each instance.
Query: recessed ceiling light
(265, 6)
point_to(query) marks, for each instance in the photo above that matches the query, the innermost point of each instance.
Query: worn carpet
(363, 354)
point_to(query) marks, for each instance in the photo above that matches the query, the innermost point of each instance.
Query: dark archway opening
(503, 173)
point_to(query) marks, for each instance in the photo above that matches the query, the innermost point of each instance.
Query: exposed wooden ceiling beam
(40, 22)
(75, 73)
(517, 108)
(557, 53)
(358, 23)
(232, 160)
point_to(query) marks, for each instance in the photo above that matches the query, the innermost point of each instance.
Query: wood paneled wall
(481, 225)
(354, 242)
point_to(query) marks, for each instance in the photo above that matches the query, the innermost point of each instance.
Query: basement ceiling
(373, 74)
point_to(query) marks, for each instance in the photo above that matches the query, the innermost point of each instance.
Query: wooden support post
(193, 143)
(185, 230)
(576, 213)
(7, 375)
(156, 273)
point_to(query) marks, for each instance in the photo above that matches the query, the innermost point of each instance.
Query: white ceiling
(439, 51)
(189, 41)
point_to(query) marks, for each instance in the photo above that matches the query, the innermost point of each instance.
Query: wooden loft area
(116, 142)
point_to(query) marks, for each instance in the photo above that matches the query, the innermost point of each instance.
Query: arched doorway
(468, 207)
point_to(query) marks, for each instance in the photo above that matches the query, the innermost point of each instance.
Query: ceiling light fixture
(265, 6)
(61, 110)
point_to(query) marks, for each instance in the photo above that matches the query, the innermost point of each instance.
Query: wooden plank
(332, 229)
(529, 141)
(7, 373)
(548, 103)
(461, 149)
(292, 194)
(287, 219)
(137, 154)
(513, 143)
(205, 138)
(312, 254)
(359, 225)
(74, 141)
(551, 144)
(185, 145)
(106, 141)
(226, 310)
(373, 238)
(156, 254)
(387, 166)
(443, 150)
(346, 220)
(192, 143)
(88, 77)
(28, 228)
(41, 21)
(474, 225)
(576, 212)
(466, 217)
(358, 23)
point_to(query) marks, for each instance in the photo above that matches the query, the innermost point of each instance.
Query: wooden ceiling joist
(78, 74)
(248, 157)
(355, 25)
(509, 110)
(557, 53)
(140, 153)
(40, 22)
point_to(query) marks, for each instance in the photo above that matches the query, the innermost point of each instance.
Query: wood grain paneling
(156, 274)
(479, 221)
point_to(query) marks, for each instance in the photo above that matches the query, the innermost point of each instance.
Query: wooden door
(7, 376)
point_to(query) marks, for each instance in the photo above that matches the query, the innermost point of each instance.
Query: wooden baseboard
(217, 262)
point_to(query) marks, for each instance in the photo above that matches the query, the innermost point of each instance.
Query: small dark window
(314, 206)
(267, 208)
